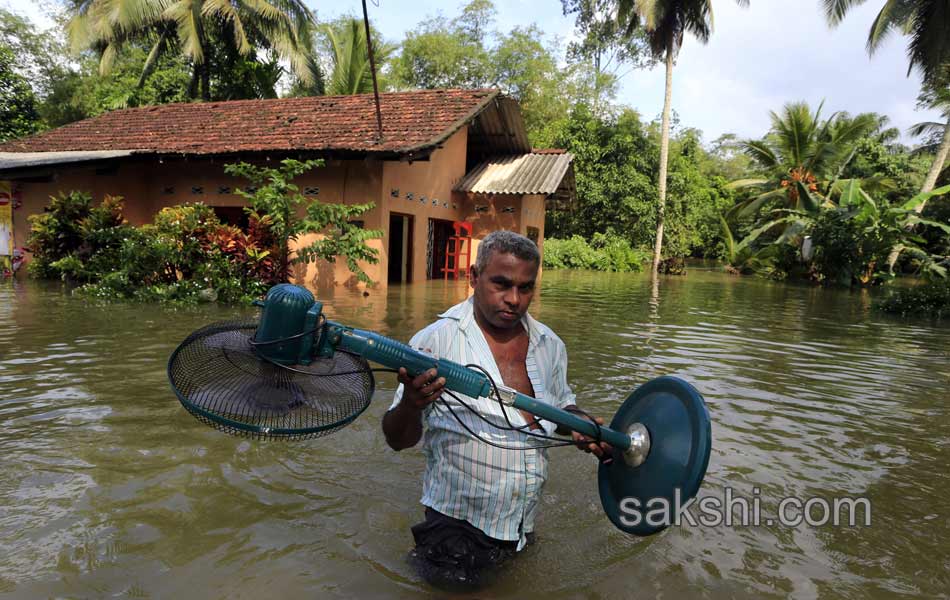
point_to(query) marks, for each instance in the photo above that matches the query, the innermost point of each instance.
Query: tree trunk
(206, 81)
(664, 156)
(938, 164)
(193, 84)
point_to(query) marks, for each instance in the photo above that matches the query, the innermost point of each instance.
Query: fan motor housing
(289, 311)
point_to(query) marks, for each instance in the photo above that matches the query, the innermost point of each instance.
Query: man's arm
(402, 424)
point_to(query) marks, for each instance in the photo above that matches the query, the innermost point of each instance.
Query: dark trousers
(454, 554)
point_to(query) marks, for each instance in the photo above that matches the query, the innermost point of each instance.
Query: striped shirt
(497, 490)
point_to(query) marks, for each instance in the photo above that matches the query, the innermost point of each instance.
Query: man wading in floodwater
(480, 499)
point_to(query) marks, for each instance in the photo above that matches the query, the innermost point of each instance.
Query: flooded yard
(109, 488)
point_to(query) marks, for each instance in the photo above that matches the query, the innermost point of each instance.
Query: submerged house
(444, 156)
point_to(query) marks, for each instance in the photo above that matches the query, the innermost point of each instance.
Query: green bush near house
(605, 252)
(187, 254)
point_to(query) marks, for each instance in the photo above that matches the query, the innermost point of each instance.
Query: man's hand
(423, 389)
(603, 451)
(403, 425)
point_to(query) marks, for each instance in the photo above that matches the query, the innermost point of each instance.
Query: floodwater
(108, 488)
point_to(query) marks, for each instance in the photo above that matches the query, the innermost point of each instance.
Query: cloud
(772, 53)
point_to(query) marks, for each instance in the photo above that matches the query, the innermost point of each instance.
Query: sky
(757, 59)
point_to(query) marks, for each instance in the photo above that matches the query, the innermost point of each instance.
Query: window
(533, 234)
(224, 189)
(311, 191)
(168, 190)
(197, 190)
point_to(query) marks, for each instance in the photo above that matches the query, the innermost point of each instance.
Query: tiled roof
(525, 174)
(412, 121)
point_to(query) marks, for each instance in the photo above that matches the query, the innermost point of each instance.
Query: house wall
(487, 213)
(422, 189)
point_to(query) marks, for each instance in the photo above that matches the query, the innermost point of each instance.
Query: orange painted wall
(148, 186)
(528, 211)
(430, 184)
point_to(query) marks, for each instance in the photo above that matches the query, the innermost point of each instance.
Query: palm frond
(157, 50)
(835, 10)
(925, 128)
(760, 152)
(187, 15)
(227, 12)
(746, 183)
(893, 14)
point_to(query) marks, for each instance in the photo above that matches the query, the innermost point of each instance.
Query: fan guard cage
(224, 382)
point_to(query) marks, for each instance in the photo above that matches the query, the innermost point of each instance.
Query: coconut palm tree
(803, 151)
(927, 24)
(666, 22)
(940, 132)
(350, 69)
(188, 26)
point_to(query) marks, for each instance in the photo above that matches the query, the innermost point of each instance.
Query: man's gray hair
(506, 242)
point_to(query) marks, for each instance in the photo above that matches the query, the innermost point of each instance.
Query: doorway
(400, 248)
(440, 231)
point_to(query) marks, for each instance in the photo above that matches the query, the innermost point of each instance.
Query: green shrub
(187, 255)
(56, 233)
(606, 252)
(848, 252)
(931, 299)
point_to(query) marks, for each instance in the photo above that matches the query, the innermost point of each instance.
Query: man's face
(504, 289)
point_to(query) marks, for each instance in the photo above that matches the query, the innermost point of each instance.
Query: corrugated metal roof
(19, 160)
(522, 174)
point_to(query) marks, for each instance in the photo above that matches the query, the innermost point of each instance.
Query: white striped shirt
(496, 490)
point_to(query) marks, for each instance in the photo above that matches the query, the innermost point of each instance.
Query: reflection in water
(109, 488)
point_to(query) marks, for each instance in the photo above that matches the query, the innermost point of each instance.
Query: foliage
(605, 49)
(931, 299)
(280, 200)
(697, 196)
(876, 160)
(468, 52)
(60, 231)
(525, 68)
(854, 239)
(615, 159)
(605, 252)
(845, 252)
(446, 53)
(200, 30)
(936, 97)
(18, 114)
(801, 149)
(185, 255)
(350, 67)
(664, 25)
(742, 258)
(925, 22)
(613, 162)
